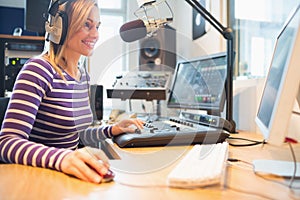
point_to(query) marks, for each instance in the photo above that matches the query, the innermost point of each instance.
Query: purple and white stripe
(45, 117)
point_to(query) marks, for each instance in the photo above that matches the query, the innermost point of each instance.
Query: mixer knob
(153, 129)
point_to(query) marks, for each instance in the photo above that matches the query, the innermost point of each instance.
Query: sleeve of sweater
(93, 135)
(31, 85)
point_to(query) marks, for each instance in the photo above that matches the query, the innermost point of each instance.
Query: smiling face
(84, 40)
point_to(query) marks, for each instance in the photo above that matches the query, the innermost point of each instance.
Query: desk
(25, 182)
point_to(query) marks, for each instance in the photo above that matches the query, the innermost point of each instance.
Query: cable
(240, 190)
(238, 160)
(296, 113)
(295, 165)
(234, 162)
(278, 182)
(87, 81)
(290, 185)
(253, 142)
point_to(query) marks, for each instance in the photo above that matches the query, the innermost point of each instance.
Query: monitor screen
(199, 84)
(282, 83)
(36, 15)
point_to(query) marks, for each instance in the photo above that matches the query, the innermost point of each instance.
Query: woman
(49, 106)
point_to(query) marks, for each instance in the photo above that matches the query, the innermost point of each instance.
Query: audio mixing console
(171, 131)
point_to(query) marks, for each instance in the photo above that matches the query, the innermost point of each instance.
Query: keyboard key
(203, 165)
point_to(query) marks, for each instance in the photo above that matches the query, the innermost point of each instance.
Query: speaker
(96, 102)
(199, 23)
(158, 53)
(57, 25)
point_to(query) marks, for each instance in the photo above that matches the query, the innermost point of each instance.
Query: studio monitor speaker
(96, 102)
(158, 53)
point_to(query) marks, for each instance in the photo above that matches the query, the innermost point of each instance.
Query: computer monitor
(279, 96)
(199, 84)
(282, 83)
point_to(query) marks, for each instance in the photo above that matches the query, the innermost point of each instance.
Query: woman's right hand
(88, 164)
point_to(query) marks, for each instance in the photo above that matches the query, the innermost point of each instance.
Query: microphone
(138, 29)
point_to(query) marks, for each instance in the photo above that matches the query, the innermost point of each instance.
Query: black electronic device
(14, 61)
(36, 15)
(147, 85)
(24, 46)
(170, 132)
(200, 84)
(96, 101)
(204, 119)
(12, 70)
(158, 53)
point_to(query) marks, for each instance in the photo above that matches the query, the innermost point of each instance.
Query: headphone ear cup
(57, 28)
(64, 27)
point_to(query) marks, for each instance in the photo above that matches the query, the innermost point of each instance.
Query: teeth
(90, 44)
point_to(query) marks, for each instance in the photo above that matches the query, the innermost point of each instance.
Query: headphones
(57, 24)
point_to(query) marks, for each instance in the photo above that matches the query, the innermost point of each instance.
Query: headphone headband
(53, 9)
(57, 25)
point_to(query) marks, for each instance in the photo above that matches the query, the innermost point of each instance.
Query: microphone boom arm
(228, 35)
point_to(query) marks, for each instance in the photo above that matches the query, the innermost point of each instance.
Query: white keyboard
(203, 165)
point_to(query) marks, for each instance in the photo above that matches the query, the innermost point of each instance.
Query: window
(256, 25)
(108, 4)
(112, 16)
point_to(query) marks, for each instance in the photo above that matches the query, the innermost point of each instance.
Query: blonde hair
(77, 12)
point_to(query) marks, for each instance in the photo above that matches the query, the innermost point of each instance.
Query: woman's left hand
(127, 126)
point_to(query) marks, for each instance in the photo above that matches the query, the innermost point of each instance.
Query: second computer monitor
(199, 84)
(282, 83)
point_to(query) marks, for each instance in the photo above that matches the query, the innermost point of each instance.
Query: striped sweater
(45, 116)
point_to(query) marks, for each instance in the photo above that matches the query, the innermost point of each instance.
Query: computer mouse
(108, 177)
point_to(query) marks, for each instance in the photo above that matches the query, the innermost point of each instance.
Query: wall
(246, 97)
(211, 42)
(106, 56)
